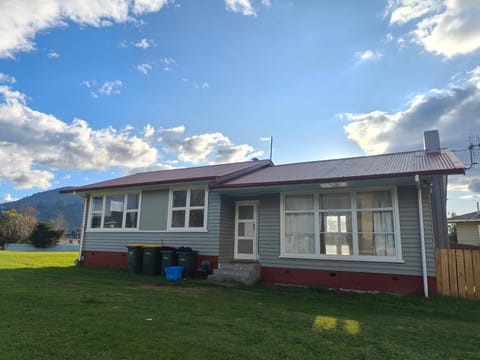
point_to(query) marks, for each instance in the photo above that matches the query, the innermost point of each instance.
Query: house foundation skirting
(387, 283)
(118, 260)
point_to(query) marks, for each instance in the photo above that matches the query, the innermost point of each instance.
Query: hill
(49, 204)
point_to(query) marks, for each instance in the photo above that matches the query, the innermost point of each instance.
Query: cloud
(8, 198)
(7, 79)
(367, 55)
(265, 139)
(243, 7)
(203, 85)
(23, 19)
(266, 2)
(53, 55)
(212, 148)
(108, 88)
(443, 27)
(453, 111)
(34, 144)
(145, 43)
(144, 68)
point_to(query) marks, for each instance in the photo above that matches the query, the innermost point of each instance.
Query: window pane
(131, 219)
(245, 246)
(335, 201)
(97, 203)
(375, 221)
(299, 234)
(96, 221)
(178, 218)
(376, 244)
(113, 211)
(196, 218)
(241, 229)
(299, 202)
(132, 201)
(336, 221)
(180, 198)
(245, 212)
(197, 197)
(374, 199)
(336, 243)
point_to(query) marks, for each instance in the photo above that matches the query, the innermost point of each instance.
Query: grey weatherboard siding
(204, 242)
(269, 240)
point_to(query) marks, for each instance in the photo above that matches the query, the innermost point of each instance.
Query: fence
(458, 273)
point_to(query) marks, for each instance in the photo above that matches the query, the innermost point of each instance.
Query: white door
(246, 230)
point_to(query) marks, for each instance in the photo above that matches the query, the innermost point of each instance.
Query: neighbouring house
(361, 223)
(468, 228)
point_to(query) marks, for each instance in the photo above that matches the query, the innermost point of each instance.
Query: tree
(45, 235)
(59, 223)
(15, 227)
(452, 233)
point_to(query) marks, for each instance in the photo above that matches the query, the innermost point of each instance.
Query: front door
(246, 230)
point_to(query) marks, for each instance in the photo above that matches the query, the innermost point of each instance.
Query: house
(468, 228)
(358, 223)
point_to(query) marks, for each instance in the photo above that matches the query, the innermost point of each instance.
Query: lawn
(50, 309)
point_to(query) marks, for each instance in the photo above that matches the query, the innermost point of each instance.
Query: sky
(93, 90)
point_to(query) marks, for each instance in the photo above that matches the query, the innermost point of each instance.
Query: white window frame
(124, 214)
(355, 256)
(187, 209)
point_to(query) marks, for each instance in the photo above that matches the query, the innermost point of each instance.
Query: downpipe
(422, 236)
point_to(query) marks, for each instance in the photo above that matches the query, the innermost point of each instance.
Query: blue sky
(95, 90)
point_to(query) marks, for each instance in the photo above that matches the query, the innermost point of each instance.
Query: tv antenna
(474, 145)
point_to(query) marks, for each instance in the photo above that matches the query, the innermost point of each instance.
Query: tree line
(22, 226)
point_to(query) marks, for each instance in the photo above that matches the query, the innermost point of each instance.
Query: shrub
(45, 235)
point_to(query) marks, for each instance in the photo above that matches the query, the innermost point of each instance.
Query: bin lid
(135, 245)
(152, 245)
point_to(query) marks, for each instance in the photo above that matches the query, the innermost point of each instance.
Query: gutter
(422, 236)
(79, 259)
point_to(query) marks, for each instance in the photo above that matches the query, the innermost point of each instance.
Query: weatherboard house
(366, 223)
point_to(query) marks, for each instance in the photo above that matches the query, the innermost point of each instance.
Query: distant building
(468, 228)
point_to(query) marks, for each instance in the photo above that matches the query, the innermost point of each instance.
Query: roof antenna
(474, 144)
(271, 147)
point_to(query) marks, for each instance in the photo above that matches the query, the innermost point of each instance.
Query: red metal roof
(217, 173)
(358, 168)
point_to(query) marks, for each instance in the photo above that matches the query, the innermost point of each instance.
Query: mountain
(49, 204)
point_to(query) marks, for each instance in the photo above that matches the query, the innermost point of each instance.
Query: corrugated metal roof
(473, 216)
(366, 167)
(217, 173)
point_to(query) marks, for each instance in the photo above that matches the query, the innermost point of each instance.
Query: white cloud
(148, 131)
(266, 2)
(33, 144)
(240, 6)
(8, 198)
(213, 148)
(145, 43)
(144, 68)
(265, 139)
(23, 19)
(108, 88)
(443, 27)
(368, 55)
(453, 111)
(203, 85)
(53, 55)
(7, 79)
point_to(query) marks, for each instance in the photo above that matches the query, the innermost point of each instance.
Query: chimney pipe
(431, 141)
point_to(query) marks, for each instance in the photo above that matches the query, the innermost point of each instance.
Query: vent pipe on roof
(431, 141)
(478, 208)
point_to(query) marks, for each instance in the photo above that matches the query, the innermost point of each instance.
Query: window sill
(376, 259)
(113, 230)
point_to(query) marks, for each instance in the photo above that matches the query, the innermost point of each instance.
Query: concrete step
(236, 273)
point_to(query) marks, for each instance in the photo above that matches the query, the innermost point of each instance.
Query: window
(117, 211)
(357, 224)
(188, 209)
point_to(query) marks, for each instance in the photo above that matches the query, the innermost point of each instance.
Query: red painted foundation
(118, 260)
(387, 283)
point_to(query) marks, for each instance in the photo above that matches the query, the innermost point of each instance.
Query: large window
(188, 209)
(117, 211)
(358, 224)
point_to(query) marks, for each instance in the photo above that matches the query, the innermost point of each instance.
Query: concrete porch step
(236, 273)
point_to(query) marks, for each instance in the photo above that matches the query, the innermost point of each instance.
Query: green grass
(50, 310)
